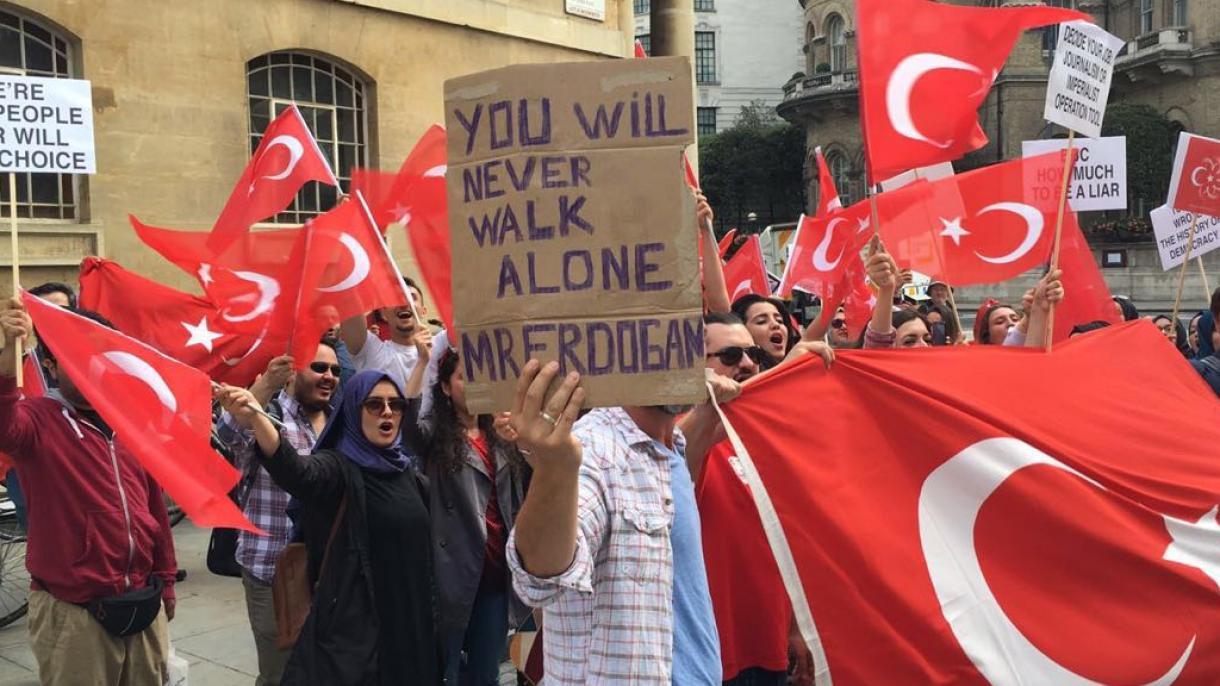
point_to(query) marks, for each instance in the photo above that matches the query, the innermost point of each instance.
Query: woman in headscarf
(1192, 334)
(1173, 330)
(372, 619)
(477, 484)
(1126, 309)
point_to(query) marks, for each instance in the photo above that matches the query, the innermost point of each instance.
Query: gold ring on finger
(546, 417)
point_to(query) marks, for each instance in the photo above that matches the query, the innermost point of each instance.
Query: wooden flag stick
(12, 230)
(1063, 193)
(1207, 287)
(1190, 244)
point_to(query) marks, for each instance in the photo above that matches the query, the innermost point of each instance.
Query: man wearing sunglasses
(839, 337)
(303, 404)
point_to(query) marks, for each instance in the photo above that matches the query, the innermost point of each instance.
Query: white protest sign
(589, 9)
(1099, 180)
(46, 125)
(1079, 82)
(1172, 228)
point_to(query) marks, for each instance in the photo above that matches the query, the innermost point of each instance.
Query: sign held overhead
(46, 125)
(1099, 178)
(1079, 82)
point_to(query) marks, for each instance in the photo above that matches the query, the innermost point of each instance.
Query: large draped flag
(994, 515)
(158, 407)
(1086, 297)
(985, 226)
(287, 158)
(925, 68)
(746, 272)
(185, 327)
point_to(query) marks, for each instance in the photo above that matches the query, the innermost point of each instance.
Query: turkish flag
(854, 294)
(925, 68)
(828, 195)
(181, 325)
(386, 194)
(639, 49)
(746, 273)
(158, 407)
(726, 242)
(346, 271)
(1057, 528)
(1195, 185)
(985, 226)
(287, 158)
(251, 281)
(428, 232)
(821, 247)
(1086, 297)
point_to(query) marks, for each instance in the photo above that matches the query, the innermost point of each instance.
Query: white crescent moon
(819, 255)
(743, 286)
(295, 151)
(438, 170)
(234, 361)
(360, 269)
(133, 366)
(902, 82)
(949, 504)
(268, 291)
(1033, 230)
(1194, 176)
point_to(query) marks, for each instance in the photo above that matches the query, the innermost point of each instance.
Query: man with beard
(396, 356)
(303, 406)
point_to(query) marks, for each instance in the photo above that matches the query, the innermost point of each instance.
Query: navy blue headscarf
(1206, 325)
(344, 431)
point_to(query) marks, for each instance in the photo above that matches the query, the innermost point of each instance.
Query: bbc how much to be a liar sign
(573, 230)
(46, 125)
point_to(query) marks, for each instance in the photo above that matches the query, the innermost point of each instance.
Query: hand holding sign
(543, 424)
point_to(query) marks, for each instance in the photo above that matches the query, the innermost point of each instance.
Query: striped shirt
(609, 617)
(266, 503)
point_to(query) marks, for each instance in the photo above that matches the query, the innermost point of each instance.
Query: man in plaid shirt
(303, 407)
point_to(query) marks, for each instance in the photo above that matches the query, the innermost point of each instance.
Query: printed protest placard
(1195, 184)
(1172, 228)
(573, 229)
(1099, 179)
(46, 125)
(1079, 82)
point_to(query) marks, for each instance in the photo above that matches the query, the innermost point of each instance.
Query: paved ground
(211, 630)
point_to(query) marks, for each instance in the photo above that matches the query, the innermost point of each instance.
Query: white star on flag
(402, 214)
(953, 229)
(201, 335)
(205, 275)
(1195, 544)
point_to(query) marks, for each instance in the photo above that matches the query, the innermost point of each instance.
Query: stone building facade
(182, 90)
(1171, 62)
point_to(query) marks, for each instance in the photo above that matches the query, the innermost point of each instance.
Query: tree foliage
(1151, 138)
(755, 166)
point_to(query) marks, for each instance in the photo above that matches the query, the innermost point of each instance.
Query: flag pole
(12, 232)
(1063, 192)
(1190, 244)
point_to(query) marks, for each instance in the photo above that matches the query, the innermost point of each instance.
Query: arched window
(838, 43)
(811, 32)
(34, 49)
(1179, 13)
(838, 165)
(333, 102)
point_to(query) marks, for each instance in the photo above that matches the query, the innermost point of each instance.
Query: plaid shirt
(266, 503)
(609, 617)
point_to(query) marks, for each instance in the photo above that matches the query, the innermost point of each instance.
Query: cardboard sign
(46, 125)
(1195, 184)
(1079, 82)
(1172, 228)
(589, 9)
(573, 230)
(1099, 179)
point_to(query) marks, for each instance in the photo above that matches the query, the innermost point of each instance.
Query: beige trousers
(74, 650)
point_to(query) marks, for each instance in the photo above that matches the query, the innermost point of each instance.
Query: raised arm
(353, 332)
(17, 429)
(272, 381)
(883, 272)
(715, 292)
(423, 345)
(1048, 292)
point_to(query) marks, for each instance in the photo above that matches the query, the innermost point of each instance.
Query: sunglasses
(376, 406)
(733, 354)
(322, 368)
(838, 323)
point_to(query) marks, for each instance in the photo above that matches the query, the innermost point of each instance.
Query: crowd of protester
(430, 531)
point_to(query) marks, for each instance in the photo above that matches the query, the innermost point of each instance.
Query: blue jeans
(481, 645)
(755, 676)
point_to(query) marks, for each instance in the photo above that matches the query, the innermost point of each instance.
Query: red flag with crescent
(1055, 527)
(1086, 297)
(925, 69)
(286, 159)
(823, 247)
(386, 194)
(828, 195)
(160, 409)
(746, 272)
(1195, 185)
(181, 325)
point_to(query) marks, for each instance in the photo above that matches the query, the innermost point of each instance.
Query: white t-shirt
(395, 359)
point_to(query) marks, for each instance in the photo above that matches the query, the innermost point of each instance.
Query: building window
(810, 33)
(30, 48)
(838, 44)
(705, 5)
(641, 7)
(706, 120)
(331, 100)
(645, 41)
(705, 57)
(1179, 13)
(837, 163)
(1145, 16)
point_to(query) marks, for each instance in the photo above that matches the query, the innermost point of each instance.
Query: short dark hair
(725, 318)
(411, 284)
(1215, 304)
(1085, 328)
(45, 289)
(330, 342)
(44, 353)
(900, 317)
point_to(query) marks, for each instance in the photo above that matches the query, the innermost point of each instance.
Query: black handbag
(130, 613)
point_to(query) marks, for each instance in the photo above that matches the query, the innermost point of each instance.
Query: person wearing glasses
(303, 405)
(372, 619)
(839, 337)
